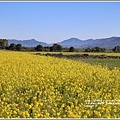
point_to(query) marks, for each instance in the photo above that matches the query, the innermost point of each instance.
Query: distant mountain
(108, 43)
(27, 43)
(75, 42)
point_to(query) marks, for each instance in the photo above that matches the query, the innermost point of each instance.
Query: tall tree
(116, 49)
(71, 49)
(3, 43)
(56, 48)
(12, 46)
(39, 48)
(18, 47)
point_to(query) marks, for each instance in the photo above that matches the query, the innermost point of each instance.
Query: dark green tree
(51, 49)
(95, 49)
(12, 46)
(59, 48)
(39, 48)
(56, 48)
(71, 49)
(18, 47)
(3, 43)
(116, 49)
(47, 48)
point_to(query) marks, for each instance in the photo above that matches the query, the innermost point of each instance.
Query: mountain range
(108, 43)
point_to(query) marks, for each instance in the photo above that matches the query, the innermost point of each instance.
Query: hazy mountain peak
(75, 42)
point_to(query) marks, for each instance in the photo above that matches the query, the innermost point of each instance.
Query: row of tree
(4, 45)
(95, 49)
(54, 48)
(19, 47)
(98, 49)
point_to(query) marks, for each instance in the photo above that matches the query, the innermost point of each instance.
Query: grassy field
(111, 63)
(90, 53)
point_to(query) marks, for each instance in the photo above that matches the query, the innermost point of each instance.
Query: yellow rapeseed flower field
(33, 86)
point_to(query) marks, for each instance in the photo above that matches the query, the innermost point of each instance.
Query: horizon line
(60, 41)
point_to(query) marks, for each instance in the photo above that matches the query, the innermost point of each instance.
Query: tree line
(19, 47)
(95, 49)
(54, 48)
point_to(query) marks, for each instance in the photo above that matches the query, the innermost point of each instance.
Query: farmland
(90, 53)
(34, 86)
(110, 60)
(111, 63)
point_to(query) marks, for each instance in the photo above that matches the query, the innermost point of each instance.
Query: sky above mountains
(55, 21)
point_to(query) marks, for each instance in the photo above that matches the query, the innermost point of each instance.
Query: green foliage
(3, 43)
(56, 48)
(39, 48)
(71, 49)
(47, 49)
(116, 49)
(95, 49)
(12, 46)
(28, 49)
(18, 47)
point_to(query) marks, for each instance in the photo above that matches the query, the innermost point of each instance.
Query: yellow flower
(33, 86)
(85, 116)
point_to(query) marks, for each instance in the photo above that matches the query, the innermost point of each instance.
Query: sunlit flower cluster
(33, 86)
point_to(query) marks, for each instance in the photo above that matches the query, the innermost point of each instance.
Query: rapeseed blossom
(34, 86)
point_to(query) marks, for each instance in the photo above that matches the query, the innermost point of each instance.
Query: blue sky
(56, 21)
